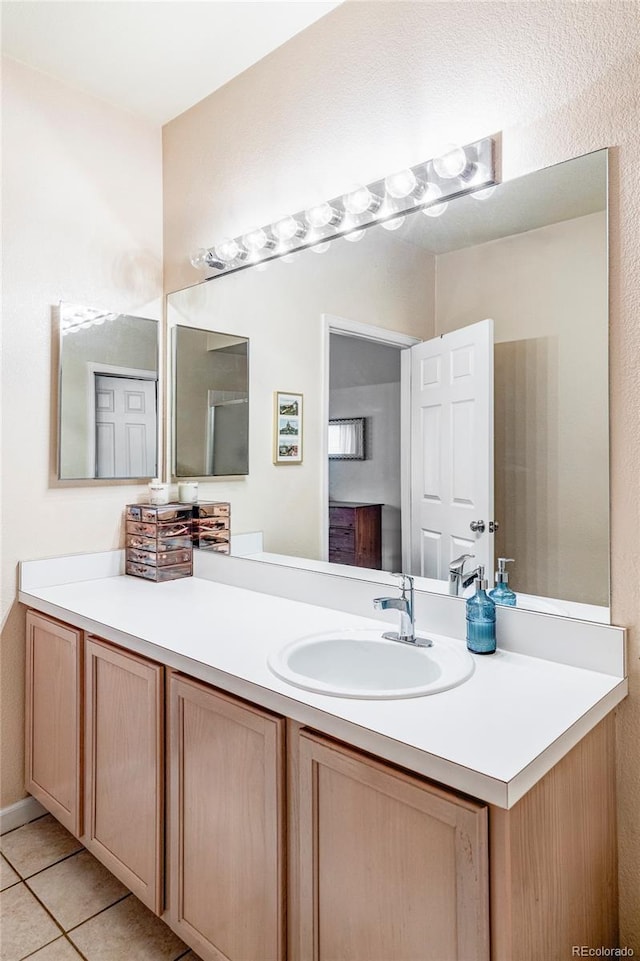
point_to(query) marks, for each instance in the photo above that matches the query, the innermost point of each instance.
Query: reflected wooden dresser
(355, 534)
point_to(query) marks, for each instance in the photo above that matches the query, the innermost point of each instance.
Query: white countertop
(492, 737)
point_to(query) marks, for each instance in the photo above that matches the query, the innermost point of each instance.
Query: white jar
(158, 492)
(188, 492)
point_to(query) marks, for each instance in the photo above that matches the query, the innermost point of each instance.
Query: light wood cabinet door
(53, 755)
(390, 867)
(124, 743)
(226, 825)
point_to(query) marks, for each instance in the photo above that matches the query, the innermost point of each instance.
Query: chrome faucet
(457, 578)
(404, 604)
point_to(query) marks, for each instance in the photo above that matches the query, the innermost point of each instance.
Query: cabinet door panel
(226, 825)
(53, 770)
(391, 868)
(124, 756)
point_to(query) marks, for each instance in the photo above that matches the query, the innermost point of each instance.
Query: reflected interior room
(320, 446)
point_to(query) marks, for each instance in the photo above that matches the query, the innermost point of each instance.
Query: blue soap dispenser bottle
(502, 593)
(481, 619)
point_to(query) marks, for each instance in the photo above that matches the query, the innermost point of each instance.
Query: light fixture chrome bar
(431, 184)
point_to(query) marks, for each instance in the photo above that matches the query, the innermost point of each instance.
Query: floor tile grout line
(64, 936)
(23, 880)
(9, 886)
(25, 877)
(25, 957)
(65, 857)
(59, 926)
(45, 908)
(26, 823)
(124, 897)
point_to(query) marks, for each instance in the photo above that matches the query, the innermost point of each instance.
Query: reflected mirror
(345, 438)
(108, 395)
(510, 287)
(210, 403)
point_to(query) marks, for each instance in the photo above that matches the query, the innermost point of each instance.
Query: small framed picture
(287, 428)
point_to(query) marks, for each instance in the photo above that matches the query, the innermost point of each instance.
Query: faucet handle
(457, 565)
(406, 582)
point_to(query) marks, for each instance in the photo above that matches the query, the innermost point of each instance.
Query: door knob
(477, 527)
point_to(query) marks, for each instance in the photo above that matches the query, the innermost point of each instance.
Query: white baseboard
(20, 813)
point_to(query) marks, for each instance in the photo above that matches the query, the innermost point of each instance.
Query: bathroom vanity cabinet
(226, 890)
(53, 723)
(124, 767)
(284, 844)
(390, 866)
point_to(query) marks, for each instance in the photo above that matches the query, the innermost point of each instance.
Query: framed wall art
(287, 428)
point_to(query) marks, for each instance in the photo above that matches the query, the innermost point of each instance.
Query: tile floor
(59, 904)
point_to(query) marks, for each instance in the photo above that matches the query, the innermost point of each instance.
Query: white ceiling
(155, 58)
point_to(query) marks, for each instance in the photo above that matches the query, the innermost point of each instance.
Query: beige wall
(376, 86)
(82, 208)
(551, 348)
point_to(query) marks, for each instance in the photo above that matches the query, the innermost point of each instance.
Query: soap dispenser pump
(502, 593)
(481, 619)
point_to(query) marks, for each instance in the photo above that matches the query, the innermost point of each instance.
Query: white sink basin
(361, 663)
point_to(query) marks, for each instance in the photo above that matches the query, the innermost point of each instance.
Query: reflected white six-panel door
(452, 450)
(126, 427)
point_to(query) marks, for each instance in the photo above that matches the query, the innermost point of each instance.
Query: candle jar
(188, 492)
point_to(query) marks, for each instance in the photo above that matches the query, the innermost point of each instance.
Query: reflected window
(346, 438)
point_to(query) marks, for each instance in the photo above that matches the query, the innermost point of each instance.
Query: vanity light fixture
(393, 224)
(426, 186)
(229, 250)
(257, 240)
(483, 194)
(203, 259)
(322, 215)
(288, 229)
(436, 210)
(452, 162)
(361, 201)
(404, 184)
(75, 317)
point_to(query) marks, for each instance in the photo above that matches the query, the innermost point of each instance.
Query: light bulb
(199, 259)
(354, 236)
(227, 250)
(450, 163)
(360, 200)
(436, 210)
(401, 184)
(393, 224)
(286, 229)
(321, 248)
(255, 240)
(322, 215)
(431, 193)
(483, 194)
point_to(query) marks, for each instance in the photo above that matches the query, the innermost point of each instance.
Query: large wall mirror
(523, 267)
(108, 395)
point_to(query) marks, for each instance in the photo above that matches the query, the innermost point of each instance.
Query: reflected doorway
(365, 382)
